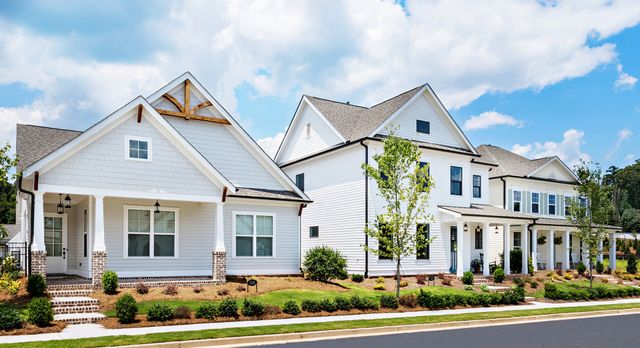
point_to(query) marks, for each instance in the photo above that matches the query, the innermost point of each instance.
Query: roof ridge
(397, 95)
(335, 101)
(48, 127)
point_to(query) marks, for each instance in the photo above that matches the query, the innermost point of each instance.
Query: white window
(137, 148)
(149, 233)
(517, 200)
(254, 234)
(552, 204)
(535, 202)
(567, 204)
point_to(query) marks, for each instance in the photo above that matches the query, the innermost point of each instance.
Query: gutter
(504, 193)
(31, 220)
(366, 209)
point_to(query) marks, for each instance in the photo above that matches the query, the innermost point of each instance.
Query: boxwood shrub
(574, 292)
(328, 306)
(228, 308)
(159, 311)
(358, 278)
(40, 311)
(389, 301)
(323, 264)
(430, 300)
(364, 303)
(467, 278)
(110, 282)
(9, 318)
(126, 309)
(291, 307)
(207, 311)
(252, 308)
(311, 306)
(36, 285)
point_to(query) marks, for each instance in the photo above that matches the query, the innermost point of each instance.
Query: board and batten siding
(102, 164)
(300, 145)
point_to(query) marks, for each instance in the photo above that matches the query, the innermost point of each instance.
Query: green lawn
(620, 264)
(296, 328)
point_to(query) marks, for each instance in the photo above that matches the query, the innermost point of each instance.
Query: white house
(168, 185)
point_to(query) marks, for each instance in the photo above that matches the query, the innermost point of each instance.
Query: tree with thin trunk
(405, 185)
(7, 178)
(590, 212)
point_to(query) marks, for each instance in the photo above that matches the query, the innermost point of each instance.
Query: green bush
(379, 287)
(9, 318)
(252, 308)
(291, 307)
(389, 301)
(364, 303)
(311, 306)
(126, 309)
(342, 303)
(530, 265)
(599, 267)
(534, 284)
(358, 278)
(574, 292)
(581, 268)
(468, 287)
(467, 278)
(40, 311)
(328, 306)
(207, 310)
(632, 264)
(110, 282)
(10, 267)
(36, 285)
(430, 300)
(323, 264)
(159, 311)
(228, 308)
(515, 260)
(498, 275)
(408, 300)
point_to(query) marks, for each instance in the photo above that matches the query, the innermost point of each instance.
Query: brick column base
(98, 266)
(220, 266)
(39, 262)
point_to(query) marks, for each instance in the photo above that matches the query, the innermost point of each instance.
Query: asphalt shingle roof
(510, 163)
(35, 142)
(247, 192)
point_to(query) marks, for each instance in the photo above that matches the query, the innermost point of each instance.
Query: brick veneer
(39, 262)
(220, 267)
(98, 266)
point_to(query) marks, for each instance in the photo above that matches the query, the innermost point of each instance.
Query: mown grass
(297, 328)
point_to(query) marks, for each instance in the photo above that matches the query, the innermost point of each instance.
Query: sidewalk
(97, 330)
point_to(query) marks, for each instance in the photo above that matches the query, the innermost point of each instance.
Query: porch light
(466, 228)
(157, 205)
(60, 206)
(478, 229)
(67, 202)
(496, 229)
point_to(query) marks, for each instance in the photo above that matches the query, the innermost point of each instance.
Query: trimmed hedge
(430, 300)
(126, 309)
(9, 318)
(342, 303)
(389, 301)
(252, 308)
(311, 306)
(291, 307)
(36, 285)
(574, 292)
(207, 311)
(228, 308)
(358, 278)
(159, 311)
(364, 303)
(467, 278)
(110, 282)
(40, 311)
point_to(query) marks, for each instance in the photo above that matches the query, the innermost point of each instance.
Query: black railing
(17, 250)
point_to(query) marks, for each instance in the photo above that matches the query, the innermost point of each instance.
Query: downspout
(366, 210)
(31, 220)
(504, 193)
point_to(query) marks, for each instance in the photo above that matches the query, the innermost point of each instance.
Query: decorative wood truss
(186, 111)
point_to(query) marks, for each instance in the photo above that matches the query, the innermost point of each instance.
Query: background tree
(7, 189)
(590, 217)
(405, 186)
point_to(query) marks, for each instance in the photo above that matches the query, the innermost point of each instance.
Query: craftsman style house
(168, 185)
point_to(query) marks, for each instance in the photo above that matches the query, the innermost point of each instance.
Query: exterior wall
(554, 171)
(527, 186)
(483, 171)
(102, 164)
(495, 193)
(301, 145)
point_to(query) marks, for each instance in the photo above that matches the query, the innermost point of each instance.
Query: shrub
(40, 311)
(291, 307)
(110, 282)
(530, 265)
(516, 260)
(404, 284)
(363, 303)
(323, 264)
(605, 280)
(159, 311)
(342, 303)
(632, 264)
(198, 289)
(328, 306)
(342, 275)
(568, 276)
(36, 285)
(241, 288)
(498, 275)
(468, 288)
(9, 318)
(421, 278)
(599, 267)
(467, 278)
(8, 283)
(484, 288)
(207, 311)
(126, 309)
(223, 292)
(182, 312)
(389, 301)
(272, 310)
(252, 308)
(142, 288)
(311, 306)
(228, 308)
(534, 285)
(171, 290)
(379, 287)
(408, 300)
(581, 268)
(358, 278)
(380, 280)
(10, 267)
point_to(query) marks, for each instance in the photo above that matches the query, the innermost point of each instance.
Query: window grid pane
(244, 225)
(264, 246)
(264, 225)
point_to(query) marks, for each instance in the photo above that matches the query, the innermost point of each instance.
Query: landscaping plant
(223, 292)
(311, 306)
(405, 186)
(207, 310)
(408, 300)
(9, 318)
(599, 267)
(342, 303)
(182, 312)
(379, 287)
(581, 268)
(142, 288)
(389, 301)
(171, 290)
(126, 309)
(364, 303)
(328, 306)
(358, 278)
(252, 308)
(632, 264)
(36, 285)
(291, 307)
(159, 311)
(467, 278)
(110, 282)
(40, 311)
(272, 310)
(228, 308)
(498, 275)
(323, 263)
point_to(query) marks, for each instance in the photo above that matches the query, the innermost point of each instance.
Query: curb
(343, 333)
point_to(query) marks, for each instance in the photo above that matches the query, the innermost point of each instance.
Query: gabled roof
(35, 142)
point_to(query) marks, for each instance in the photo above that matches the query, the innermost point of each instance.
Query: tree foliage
(7, 187)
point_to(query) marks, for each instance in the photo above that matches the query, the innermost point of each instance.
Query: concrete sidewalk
(97, 330)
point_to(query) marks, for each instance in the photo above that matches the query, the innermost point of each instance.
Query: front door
(55, 241)
(454, 249)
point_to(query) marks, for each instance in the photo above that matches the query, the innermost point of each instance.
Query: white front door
(55, 241)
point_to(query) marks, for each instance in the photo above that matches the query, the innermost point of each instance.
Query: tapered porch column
(485, 250)
(99, 253)
(524, 244)
(566, 264)
(600, 251)
(507, 249)
(552, 246)
(460, 249)
(612, 252)
(534, 248)
(38, 250)
(219, 252)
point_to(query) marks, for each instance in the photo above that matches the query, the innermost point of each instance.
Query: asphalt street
(611, 331)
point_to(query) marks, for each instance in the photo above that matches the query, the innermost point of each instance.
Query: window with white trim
(517, 200)
(254, 234)
(567, 205)
(151, 237)
(517, 240)
(552, 204)
(535, 202)
(138, 149)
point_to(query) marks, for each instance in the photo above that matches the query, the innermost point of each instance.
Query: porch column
(612, 252)
(485, 250)
(219, 253)
(534, 248)
(460, 249)
(584, 254)
(567, 251)
(552, 246)
(600, 251)
(524, 245)
(507, 249)
(99, 253)
(38, 250)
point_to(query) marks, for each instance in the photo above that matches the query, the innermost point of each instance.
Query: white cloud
(490, 119)
(568, 149)
(270, 144)
(623, 135)
(630, 158)
(624, 80)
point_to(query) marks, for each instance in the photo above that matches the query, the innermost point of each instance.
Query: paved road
(613, 331)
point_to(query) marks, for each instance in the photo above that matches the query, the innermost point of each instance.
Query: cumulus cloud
(270, 144)
(568, 149)
(490, 119)
(623, 135)
(624, 80)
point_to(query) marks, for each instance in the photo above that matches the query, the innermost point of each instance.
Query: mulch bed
(30, 329)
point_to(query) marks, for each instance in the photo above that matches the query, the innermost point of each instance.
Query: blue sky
(541, 77)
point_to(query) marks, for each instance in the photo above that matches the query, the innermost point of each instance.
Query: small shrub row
(430, 300)
(574, 292)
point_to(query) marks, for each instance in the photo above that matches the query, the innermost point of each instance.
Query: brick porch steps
(79, 318)
(73, 301)
(76, 309)
(69, 293)
(56, 287)
(482, 281)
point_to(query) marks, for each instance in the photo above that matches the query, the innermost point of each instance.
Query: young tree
(590, 216)
(405, 185)
(7, 193)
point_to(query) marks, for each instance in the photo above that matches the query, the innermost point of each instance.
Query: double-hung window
(535, 202)
(477, 186)
(552, 204)
(150, 233)
(517, 200)
(517, 240)
(567, 205)
(137, 148)
(254, 234)
(456, 181)
(423, 252)
(478, 238)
